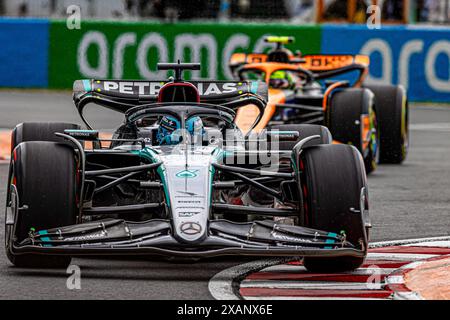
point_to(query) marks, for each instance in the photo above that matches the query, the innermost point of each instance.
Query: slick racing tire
(305, 130)
(391, 104)
(352, 120)
(39, 131)
(334, 188)
(42, 195)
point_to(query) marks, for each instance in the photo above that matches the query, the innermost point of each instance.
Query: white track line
(407, 296)
(286, 268)
(436, 127)
(221, 285)
(400, 279)
(399, 256)
(435, 244)
(406, 242)
(395, 280)
(309, 298)
(311, 285)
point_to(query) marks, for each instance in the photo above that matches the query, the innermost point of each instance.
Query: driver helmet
(281, 80)
(169, 130)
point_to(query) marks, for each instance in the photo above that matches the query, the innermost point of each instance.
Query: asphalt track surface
(409, 201)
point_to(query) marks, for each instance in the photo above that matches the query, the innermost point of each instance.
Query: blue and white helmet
(169, 130)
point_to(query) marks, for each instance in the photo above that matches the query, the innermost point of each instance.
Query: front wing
(155, 237)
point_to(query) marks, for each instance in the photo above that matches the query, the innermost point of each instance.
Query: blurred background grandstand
(294, 11)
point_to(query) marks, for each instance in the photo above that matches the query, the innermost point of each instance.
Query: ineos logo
(190, 228)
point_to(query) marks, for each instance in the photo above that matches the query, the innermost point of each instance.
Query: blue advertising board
(416, 57)
(24, 52)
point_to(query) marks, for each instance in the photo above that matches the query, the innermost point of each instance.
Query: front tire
(334, 186)
(43, 185)
(39, 131)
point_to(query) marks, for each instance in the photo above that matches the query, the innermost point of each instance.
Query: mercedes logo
(191, 228)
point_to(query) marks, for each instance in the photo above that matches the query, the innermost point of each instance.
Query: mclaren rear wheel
(333, 183)
(352, 120)
(42, 195)
(391, 104)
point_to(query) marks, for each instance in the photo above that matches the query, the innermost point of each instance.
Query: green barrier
(131, 50)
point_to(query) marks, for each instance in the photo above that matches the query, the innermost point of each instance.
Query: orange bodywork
(243, 58)
(332, 62)
(247, 115)
(366, 131)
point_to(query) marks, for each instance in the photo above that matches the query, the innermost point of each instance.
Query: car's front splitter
(155, 237)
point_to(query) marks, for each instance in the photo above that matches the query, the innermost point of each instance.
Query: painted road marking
(409, 241)
(221, 285)
(317, 285)
(309, 298)
(264, 292)
(432, 244)
(298, 268)
(434, 127)
(399, 256)
(289, 280)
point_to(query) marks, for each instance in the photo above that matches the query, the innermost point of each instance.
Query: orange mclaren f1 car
(328, 90)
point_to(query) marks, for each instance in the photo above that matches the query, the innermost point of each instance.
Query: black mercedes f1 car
(221, 192)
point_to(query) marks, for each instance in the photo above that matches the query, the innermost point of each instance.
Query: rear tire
(391, 104)
(332, 181)
(352, 120)
(44, 175)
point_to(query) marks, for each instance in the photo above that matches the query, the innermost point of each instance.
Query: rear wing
(316, 62)
(238, 59)
(121, 95)
(323, 62)
(323, 66)
(330, 66)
